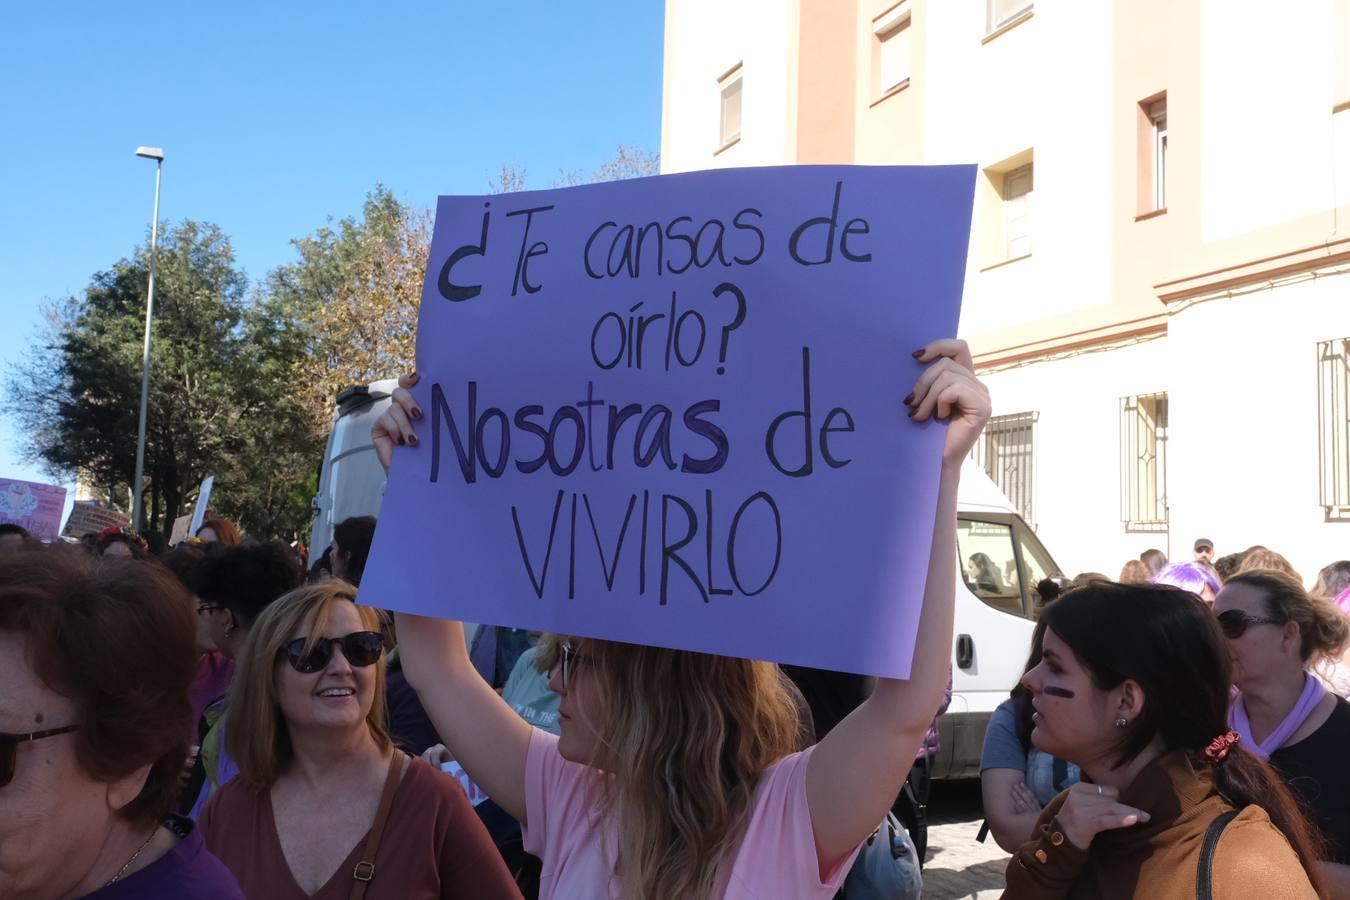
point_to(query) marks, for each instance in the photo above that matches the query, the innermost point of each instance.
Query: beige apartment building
(1159, 275)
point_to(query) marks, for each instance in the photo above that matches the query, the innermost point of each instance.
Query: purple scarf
(1313, 691)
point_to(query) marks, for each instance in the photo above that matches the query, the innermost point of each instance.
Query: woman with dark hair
(12, 535)
(1133, 687)
(350, 549)
(981, 572)
(1276, 632)
(676, 774)
(95, 661)
(324, 802)
(1332, 580)
(1156, 560)
(234, 585)
(1016, 779)
(219, 531)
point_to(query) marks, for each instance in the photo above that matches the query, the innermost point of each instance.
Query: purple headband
(1189, 576)
(1343, 601)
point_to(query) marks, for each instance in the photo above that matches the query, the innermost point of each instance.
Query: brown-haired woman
(675, 776)
(219, 531)
(1275, 632)
(95, 661)
(323, 799)
(1133, 688)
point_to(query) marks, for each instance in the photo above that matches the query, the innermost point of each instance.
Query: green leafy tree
(352, 300)
(218, 401)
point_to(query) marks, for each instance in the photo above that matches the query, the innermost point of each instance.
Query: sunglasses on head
(1235, 622)
(361, 648)
(9, 748)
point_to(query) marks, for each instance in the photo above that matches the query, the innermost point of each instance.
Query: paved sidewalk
(959, 868)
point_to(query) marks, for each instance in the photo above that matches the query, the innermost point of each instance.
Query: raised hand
(948, 389)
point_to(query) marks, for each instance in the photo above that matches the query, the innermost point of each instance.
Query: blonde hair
(685, 737)
(255, 730)
(1323, 627)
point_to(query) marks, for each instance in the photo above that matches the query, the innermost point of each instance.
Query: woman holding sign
(674, 775)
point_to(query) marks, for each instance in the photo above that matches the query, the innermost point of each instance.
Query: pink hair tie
(1217, 751)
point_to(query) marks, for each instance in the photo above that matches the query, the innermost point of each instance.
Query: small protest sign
(179, 532)
(34, 506)
(669, 411)
(203, 504)
(90, 517)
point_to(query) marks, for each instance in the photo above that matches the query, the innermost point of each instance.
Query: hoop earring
(1122, 722)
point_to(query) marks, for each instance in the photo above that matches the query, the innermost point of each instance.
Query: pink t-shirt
(775, 861)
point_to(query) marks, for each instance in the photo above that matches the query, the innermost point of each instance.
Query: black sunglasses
(361, 648)
(1235, 622)
(9, 746)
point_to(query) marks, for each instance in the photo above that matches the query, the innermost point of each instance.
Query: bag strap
(1204, 872)
(365, 869)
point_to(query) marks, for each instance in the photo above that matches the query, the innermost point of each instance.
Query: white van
(996, 595)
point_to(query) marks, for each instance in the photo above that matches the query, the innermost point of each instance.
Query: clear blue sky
(274, 116)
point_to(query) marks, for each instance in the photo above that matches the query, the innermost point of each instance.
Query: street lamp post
(137, 488)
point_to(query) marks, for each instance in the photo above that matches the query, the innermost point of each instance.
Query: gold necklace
(138, 852)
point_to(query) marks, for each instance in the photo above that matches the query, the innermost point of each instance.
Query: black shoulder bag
(1204, 870)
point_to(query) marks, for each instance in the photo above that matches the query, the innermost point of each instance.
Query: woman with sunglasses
(1276, 632)
(1133, 688)
(324, 804)
(95, 661)
(676, 773)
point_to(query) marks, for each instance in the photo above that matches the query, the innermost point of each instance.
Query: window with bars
(1143, 462)
(1333, 427)
(1005, 454)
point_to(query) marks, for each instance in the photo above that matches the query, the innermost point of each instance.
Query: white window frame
(729, 85)
(1157, 115)
(992, 20)
(886, 28)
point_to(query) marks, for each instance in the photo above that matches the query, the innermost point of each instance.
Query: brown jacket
(1157, 860)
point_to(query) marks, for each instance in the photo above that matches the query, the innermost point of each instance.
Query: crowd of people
(1227, 679)
(223, 720)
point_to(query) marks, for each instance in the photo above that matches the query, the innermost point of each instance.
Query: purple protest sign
(669, 411)
(36, 507)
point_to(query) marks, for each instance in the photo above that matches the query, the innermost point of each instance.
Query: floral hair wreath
(122, 532)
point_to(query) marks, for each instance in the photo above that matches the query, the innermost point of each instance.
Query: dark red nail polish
(917, 353)
(912, 412)
(412, 439)
(909, 400)
(416, 413)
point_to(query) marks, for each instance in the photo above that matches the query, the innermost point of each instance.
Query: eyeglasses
(1235, 622)
(9, 744)
(361, 648)
(571, 659)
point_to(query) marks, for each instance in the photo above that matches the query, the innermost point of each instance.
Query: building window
(1143, 462)
(1003, 200)
(892, 49)
(730, 88)
(1017, 187)
(1002, 12)
(1157, 117)
(1333, 428)
(1005, 453)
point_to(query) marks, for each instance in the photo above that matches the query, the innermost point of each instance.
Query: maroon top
(434, 847)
